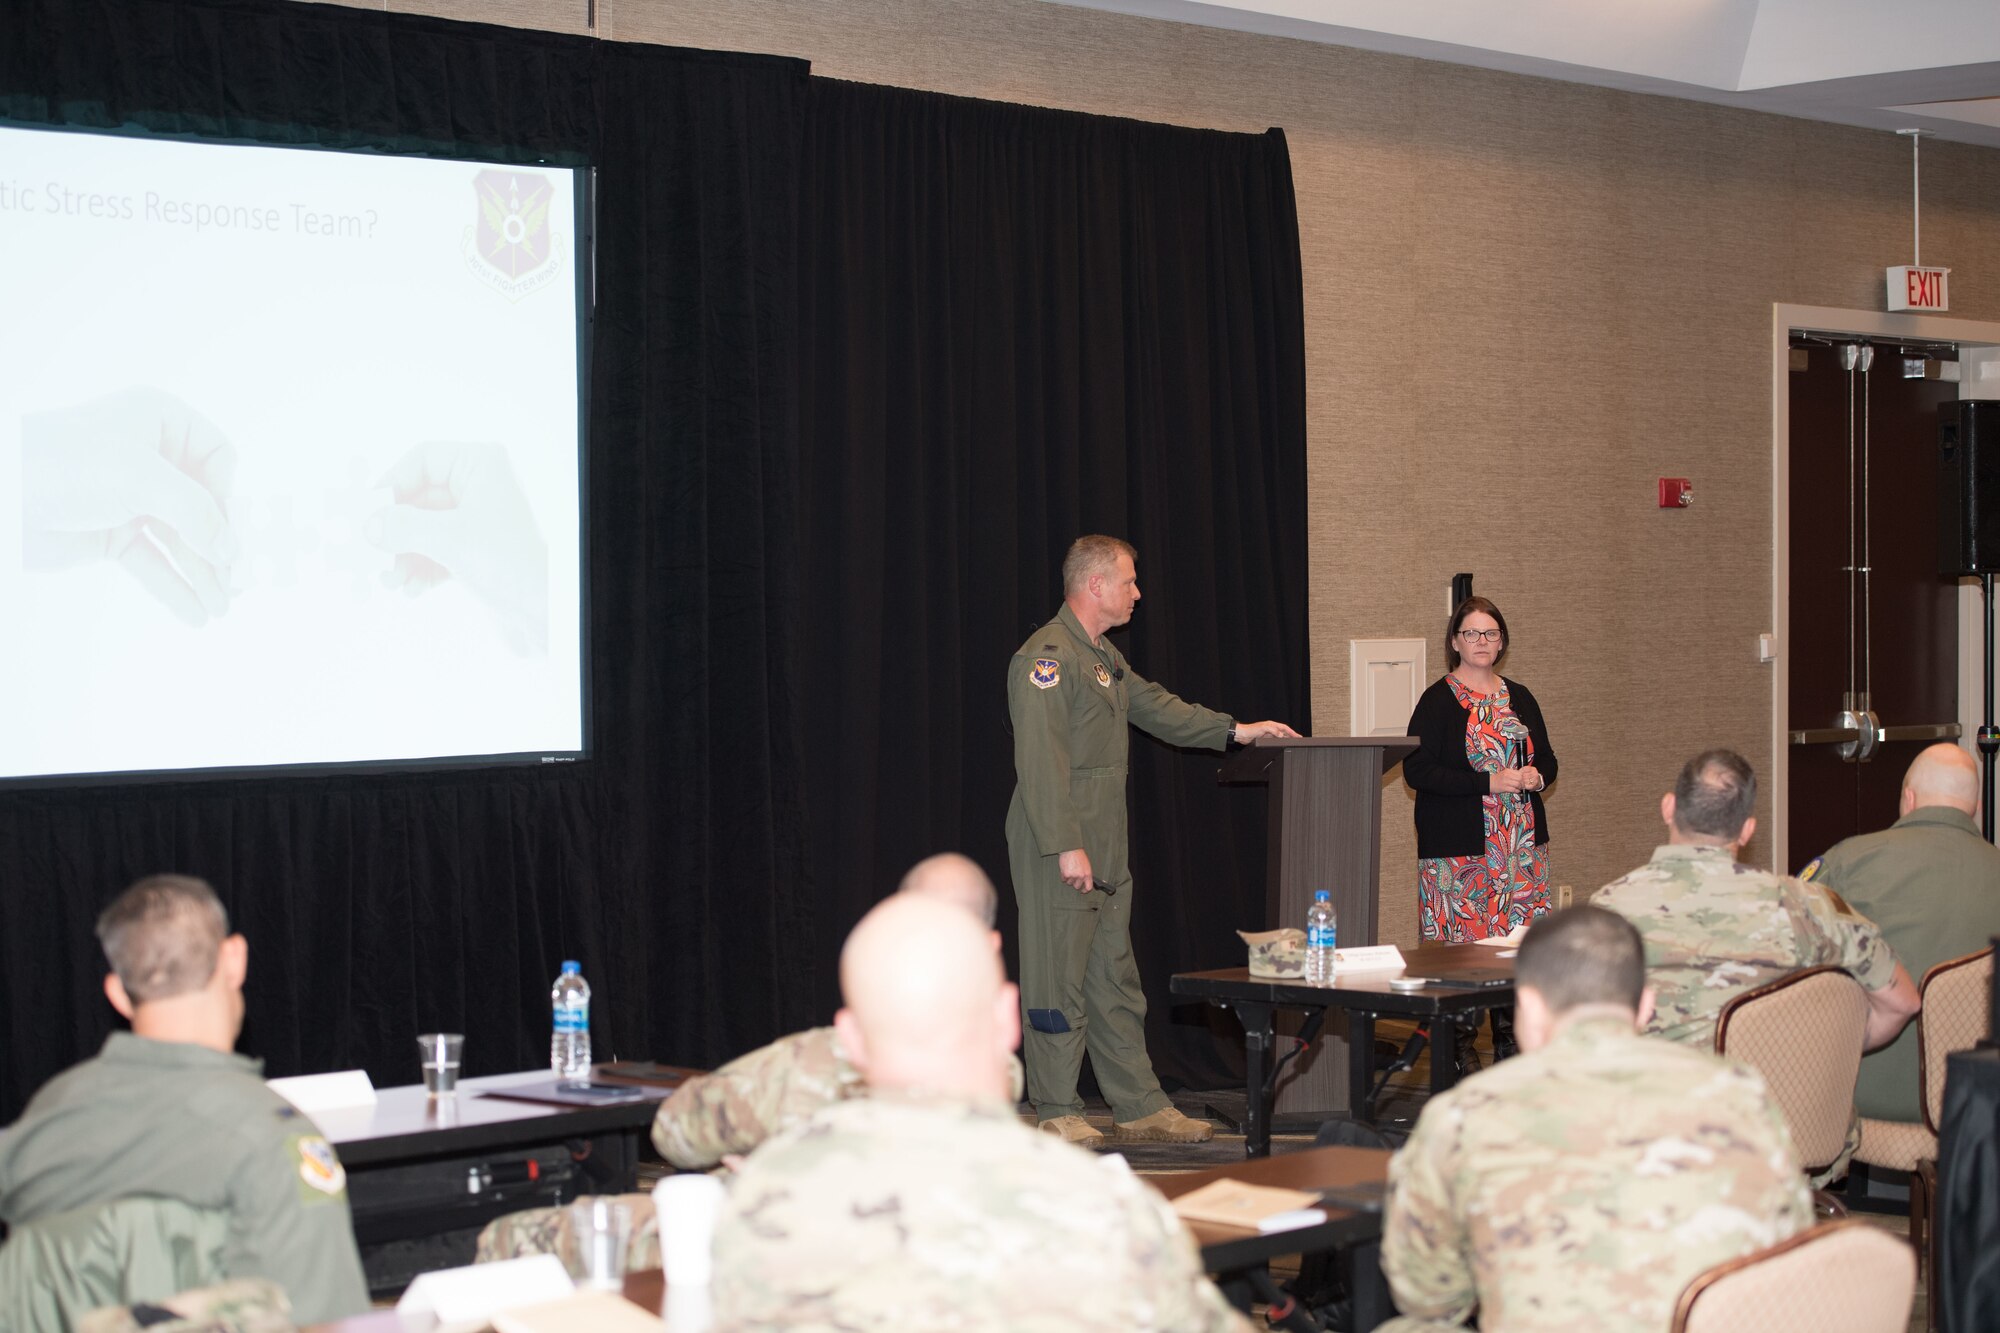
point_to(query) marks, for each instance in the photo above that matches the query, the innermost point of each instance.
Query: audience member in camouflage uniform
(247, 1305)
(1714, 929)
(731, 1111)
(929, 1198)
(1579, 1187)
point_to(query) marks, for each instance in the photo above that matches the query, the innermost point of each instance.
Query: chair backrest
(1955, 1017)
(56, 1268)
(1803, 1033)
(1848, 1276)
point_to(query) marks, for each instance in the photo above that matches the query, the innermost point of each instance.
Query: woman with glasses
(1483, 760)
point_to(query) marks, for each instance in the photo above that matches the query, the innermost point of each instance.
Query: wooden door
(1873, 668)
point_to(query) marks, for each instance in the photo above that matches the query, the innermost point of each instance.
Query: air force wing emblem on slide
(511, 246)
(1046, 673)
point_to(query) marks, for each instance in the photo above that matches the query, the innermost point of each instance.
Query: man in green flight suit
(168, 1111)
(1071, 694)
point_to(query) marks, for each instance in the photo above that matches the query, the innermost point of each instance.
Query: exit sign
(1912, 288)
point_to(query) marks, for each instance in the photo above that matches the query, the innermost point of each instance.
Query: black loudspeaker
(1969, 486)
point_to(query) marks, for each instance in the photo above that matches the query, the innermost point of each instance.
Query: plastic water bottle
(1320, 938)
(569, 1049)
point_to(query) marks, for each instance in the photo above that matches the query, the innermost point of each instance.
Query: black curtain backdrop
(864, 362)
(1020, 325)
(672, 863)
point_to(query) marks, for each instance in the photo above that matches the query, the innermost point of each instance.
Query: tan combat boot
(1073, 1129)
(1168, 1126)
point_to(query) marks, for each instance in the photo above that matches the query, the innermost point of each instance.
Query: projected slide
(288, 457)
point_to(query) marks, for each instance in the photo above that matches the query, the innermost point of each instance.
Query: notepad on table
(1232, 1203)
(585, 1312)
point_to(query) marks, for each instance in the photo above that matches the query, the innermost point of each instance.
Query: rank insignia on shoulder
(1103, 676)
(319, 1165)
(1046, 673)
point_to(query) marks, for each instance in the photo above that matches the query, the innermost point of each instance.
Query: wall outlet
(1565, 895)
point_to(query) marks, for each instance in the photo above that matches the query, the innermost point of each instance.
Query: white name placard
(325, 1092)
(1369, 958)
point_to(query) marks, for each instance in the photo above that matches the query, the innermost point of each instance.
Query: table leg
(1256, 1054)
(1367, 1287)
(1444, 1053)
(1361, 1066)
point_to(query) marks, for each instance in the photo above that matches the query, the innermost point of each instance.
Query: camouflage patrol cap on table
(1276, 953)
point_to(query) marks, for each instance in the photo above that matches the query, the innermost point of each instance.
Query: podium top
(1253, 762)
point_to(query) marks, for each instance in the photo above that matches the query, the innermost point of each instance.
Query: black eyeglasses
(1480, 635)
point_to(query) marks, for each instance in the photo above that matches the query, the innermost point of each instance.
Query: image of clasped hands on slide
(141, 479)
(297, 446)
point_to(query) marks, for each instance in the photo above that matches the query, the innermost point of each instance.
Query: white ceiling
(1884, 64)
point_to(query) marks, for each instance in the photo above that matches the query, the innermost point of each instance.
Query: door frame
(1967, 333)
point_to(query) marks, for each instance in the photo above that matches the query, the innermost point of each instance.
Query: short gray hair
(162, 936)
(1095, 554)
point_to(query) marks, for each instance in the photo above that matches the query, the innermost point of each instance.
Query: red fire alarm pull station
(1676, 492)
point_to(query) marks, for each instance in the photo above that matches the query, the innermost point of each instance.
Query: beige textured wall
(1524, 301)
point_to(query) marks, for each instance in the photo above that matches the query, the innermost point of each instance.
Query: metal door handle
(1928, 731)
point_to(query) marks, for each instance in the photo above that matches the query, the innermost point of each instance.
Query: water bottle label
(573, 1018)
(1319, 936)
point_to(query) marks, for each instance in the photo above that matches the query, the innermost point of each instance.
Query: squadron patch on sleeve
(319, 1165)
(1811, 872)
(1046, 673)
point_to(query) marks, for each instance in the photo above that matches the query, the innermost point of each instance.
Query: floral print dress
(1462, 898)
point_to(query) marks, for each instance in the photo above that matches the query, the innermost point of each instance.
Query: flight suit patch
(1103, 676)
(1811, 872)
(1045, 674)
(319, 1166)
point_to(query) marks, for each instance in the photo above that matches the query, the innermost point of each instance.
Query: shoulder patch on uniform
(1839, 903)
(1811, 872)
(319, 1166)
(1045, 674)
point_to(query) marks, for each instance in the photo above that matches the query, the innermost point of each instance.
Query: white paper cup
(686, 1206)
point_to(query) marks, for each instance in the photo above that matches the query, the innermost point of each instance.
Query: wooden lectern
(1326, 833)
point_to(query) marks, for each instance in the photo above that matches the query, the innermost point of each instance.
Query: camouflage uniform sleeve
(1850, 939)
(1182, 1294)
(289, 1221)
(1790, 1206)
(247, 1305)
(749, 1099)
(1426, 1253)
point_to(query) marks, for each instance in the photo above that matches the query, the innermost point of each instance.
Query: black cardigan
(1449, 789)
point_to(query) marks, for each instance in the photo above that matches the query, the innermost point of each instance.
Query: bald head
(1942, 775)
(951, 878)
(928, 1007)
